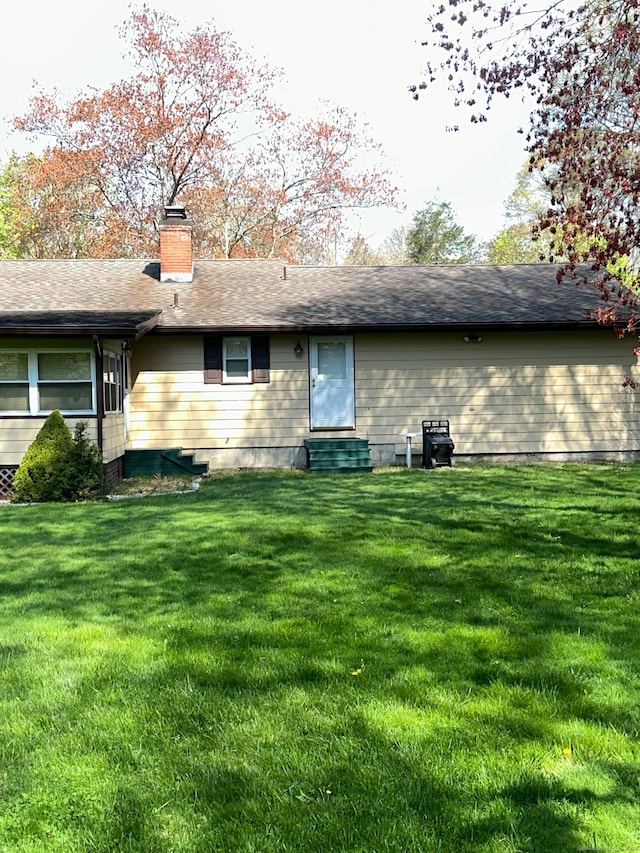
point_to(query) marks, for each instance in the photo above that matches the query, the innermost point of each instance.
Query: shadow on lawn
(413, 547)
(265, 586)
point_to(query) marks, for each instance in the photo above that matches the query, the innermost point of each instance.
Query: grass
(404, 661)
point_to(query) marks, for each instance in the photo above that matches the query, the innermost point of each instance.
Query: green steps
(167, 462)
(347, 455)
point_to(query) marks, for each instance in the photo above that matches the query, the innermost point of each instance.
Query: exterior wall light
(298, 350)
(471, 338)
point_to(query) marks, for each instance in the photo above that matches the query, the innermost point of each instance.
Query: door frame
(348, 420)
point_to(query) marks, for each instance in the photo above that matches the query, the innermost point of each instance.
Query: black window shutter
(212, 360)
(260, 360)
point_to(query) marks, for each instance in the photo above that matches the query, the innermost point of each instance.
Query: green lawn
(403, 661)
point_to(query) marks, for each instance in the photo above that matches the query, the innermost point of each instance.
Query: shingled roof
(126, 297)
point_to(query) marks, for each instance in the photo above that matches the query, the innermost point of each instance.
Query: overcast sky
(361, 54)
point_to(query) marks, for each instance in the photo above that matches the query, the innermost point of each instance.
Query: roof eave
(349, 328)
(147, 325)
(124, 330)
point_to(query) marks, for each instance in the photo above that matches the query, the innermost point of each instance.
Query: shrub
(58, 466)
(87, 481)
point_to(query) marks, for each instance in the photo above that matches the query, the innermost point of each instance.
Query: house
(240, 362)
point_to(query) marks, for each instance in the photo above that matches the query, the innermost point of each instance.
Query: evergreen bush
(87, 481)
(58, 466)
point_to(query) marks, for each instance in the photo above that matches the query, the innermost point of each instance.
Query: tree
(361, 254)
(435, 237)
(7, 218)
(394, 248)
(529, 201)
(13, 222)
(579, 66)
(196, 123)
(51, 209)
(289, 193)
(391, 252)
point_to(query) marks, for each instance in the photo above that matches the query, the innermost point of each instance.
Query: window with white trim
(35, 382)
(236, 359)
(112, 379)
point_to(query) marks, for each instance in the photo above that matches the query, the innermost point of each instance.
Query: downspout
(126, 372)
(99, 393)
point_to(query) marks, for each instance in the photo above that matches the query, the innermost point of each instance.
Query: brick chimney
(176, 257)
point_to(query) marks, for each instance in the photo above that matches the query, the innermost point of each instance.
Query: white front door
(332, 382)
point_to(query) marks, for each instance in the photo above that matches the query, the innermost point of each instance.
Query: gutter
(345, 328)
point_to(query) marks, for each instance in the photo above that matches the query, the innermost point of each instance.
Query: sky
(359, 54)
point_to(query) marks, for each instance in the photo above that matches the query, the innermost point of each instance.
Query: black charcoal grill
(437, 446)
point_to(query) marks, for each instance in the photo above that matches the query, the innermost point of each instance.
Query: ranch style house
(256, 363)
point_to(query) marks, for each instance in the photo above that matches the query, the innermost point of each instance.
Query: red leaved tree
(578, 65)
(196, 124)
(287, 193)
(57, 209)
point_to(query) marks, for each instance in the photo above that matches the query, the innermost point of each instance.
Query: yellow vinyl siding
(509, 394)
(16, 434)
(171, 406)
(113, 437)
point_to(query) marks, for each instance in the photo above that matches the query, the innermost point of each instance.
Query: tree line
(197, 122)
(434, 235)
(42, 224)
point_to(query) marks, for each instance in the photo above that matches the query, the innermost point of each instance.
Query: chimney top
(173, 212)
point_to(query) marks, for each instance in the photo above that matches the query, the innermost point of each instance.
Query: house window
(14, 382)
(64, 381)
(236, 359)
(112, 379)
(37, 382)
